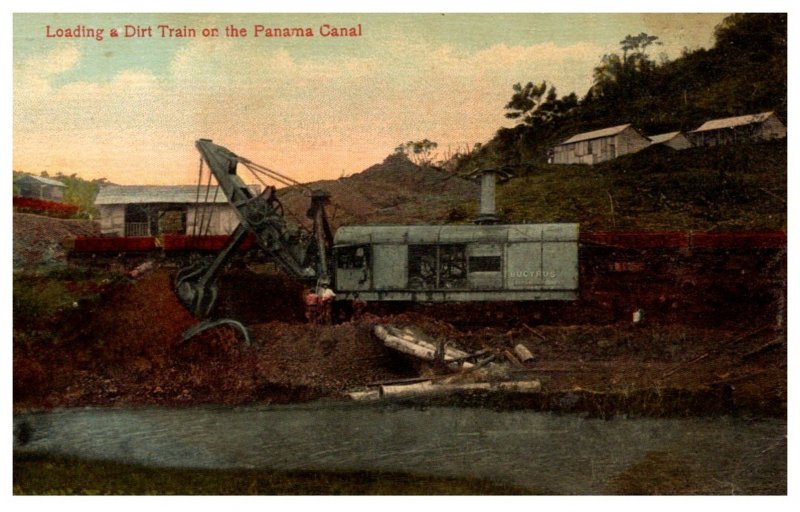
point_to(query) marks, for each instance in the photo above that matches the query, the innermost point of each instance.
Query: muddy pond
(544, 453)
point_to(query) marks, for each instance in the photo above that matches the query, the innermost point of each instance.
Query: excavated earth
(37, 238)
(715, 345)
(124, 348)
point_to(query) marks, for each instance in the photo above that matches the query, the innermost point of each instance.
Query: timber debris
(464, 376)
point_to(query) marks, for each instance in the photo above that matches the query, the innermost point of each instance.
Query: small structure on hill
(730, 130)
(674, 140)
(156, 210)
(599, 145)
(37, 187)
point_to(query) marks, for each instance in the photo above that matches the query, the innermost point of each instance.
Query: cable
(197, 197)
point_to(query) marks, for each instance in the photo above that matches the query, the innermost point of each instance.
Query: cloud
(309, 115)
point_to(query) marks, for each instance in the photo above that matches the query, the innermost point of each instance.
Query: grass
(45, 298)
(739, 187)
(50, 475)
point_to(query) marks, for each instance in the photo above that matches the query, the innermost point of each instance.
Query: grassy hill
(740, 187)
(745, 72)
(727, 188)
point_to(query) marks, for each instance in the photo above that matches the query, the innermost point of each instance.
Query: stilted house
(730, 130)
(37, 187)
(599, 145)
(674, 140)
(156, 210)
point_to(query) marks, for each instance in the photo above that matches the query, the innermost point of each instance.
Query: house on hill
(674, 140)
(37, 187)
(144, 210)
(599, 145)
(730, 130)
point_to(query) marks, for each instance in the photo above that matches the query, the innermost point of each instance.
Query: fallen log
(430, 388)
(411, 345)
(523, 353)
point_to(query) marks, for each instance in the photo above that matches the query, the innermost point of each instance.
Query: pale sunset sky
(129, 109)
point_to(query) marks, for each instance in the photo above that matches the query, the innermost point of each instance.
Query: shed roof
(43, 181)
(596, 134)
(731, 122)
(454, 233)
(663, 137)
(137, 194)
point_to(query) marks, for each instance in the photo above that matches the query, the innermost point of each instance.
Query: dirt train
(483, 262)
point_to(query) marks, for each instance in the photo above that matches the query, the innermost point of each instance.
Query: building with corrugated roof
(730, 130)
(599, 145)
(674, 140)
(38, 187)
(144, 210)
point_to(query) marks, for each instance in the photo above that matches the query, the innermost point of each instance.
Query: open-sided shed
(155, 210)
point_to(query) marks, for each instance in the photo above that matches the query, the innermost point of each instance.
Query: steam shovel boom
(302, 255)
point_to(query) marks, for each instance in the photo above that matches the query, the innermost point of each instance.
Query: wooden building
(730, 130)
(674, 140)
(37, 187)
(599, 145)
(156, 210)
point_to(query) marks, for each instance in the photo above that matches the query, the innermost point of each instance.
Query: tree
(637, 45)
(619, 79)
(525, 100)
(420, 152)
(537, 109)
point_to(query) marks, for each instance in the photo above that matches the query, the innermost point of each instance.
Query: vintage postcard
(430, 253)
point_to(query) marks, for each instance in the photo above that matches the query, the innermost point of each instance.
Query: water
(543, 453)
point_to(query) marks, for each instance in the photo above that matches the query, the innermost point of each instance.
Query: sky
(130, 108)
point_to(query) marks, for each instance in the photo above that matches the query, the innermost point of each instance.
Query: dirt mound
(37, 239)
(395, 191)
(138, 319)
(128, 350)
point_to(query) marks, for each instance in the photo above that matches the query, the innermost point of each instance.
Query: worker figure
(319, 306)
(326, 297)
(312, 302)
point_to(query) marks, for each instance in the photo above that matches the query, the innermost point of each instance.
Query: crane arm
(303, 257)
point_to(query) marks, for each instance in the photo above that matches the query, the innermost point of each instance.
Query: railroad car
(455, 263)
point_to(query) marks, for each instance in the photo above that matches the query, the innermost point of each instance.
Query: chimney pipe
(487, 213)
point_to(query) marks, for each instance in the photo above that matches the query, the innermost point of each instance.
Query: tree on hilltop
(420, 152)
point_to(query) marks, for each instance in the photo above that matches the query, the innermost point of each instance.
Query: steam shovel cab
(457, 263)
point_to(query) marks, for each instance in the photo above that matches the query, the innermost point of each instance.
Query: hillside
(37, 238)
(745, 72)
(395, 191)
(739, 187)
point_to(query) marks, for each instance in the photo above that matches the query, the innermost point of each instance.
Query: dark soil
(125, 349)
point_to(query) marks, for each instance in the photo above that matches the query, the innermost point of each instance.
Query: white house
(764, 126)
(144, 210)
(599, 145)
(674, 140)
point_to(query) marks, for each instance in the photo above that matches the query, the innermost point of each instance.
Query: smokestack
(487, 213)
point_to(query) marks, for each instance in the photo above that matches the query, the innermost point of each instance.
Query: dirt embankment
(127, 350)
(37, 238)
(395, 191)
